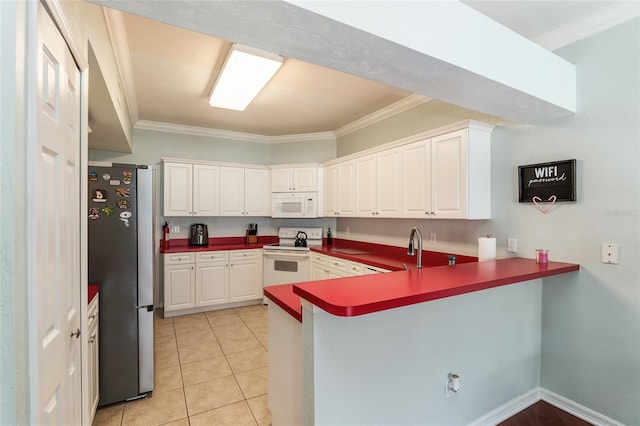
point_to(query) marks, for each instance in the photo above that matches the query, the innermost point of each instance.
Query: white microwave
(294, 204)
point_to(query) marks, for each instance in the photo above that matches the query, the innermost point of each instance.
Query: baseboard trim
(527, 399)
(580, 411)
(508, 409)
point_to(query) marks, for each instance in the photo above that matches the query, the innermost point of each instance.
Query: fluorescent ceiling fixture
(245, 72)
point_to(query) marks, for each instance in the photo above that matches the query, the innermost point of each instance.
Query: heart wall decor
(544, 206)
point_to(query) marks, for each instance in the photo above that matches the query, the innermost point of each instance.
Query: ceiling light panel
(244, 74)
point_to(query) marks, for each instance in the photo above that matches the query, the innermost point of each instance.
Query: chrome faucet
(411, 251)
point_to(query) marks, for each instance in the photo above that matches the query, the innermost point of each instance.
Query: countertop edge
(356, 309)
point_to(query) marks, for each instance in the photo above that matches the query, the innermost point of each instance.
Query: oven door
(285, 267)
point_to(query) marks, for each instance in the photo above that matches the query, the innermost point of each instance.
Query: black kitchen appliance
(301, 239)
(199, 235)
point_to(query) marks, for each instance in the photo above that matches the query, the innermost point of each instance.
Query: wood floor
(543, 413)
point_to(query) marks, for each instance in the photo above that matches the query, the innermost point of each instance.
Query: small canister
(542, 256)
(452, 260)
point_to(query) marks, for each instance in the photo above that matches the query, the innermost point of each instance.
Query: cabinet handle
(76, 334)
(92, 338)
(92, 316)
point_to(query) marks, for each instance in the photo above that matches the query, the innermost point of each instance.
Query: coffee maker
(199, 235)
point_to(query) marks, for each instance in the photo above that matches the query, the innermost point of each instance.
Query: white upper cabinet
(340, 189)
(203, 188)
(244, 192)
(416, 179)
(206, 190)
(178, 189)
(441, 174)
(378, 184)
(191, 189)
(294, 179)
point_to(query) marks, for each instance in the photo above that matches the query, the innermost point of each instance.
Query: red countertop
(367, 294)
(181, 245)
(387, 257)
(92, 290)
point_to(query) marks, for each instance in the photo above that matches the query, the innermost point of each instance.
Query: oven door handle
(281, 253)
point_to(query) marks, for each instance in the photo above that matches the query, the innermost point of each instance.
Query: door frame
(31, 216)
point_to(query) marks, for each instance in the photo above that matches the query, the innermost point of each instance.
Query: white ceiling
(171, 72)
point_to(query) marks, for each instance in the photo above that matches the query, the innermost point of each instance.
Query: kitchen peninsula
(377, 349)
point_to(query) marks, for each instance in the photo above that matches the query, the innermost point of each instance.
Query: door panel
(56, 212)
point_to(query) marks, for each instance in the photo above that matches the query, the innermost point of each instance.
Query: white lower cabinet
(325, 267)
(94, 360)
(212, 278)
(245, 275)
(196, 281)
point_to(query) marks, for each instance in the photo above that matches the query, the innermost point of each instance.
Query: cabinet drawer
(338, 265)
(356, 269)
(244, 254)
(179, 258)
(319, 260)
(212, 257)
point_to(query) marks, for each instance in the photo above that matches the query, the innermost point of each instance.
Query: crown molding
(118, 36)
(227, 134)
(393, 109)
(200, 131)
(604, 19)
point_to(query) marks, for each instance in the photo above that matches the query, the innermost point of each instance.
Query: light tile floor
(210, 369)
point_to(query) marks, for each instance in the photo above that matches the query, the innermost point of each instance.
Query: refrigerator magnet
(125, 221)
(125, 215)
(106, 176)
(123, 192)
(114, 182)
(126, 177)
(99, 196)
(94, 213)
(107, 210)
(123, 204)
(93, 176)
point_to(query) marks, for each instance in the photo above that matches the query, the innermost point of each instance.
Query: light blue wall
(590, 320)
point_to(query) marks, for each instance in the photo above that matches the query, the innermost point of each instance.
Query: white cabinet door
(206, 190)
(179, 287)
(347, 189)
(178, 189)
(212, 284)
(366, 187)
(245, 275)
(295, 179)
(281, 180)
(449, 175)
(231, 191)
(416, 179)
(257, 197)
(331, 190)
(389, 183)
(305, 179)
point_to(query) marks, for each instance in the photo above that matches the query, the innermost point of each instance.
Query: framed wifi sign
(543, 182)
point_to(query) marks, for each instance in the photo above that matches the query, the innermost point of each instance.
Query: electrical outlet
(611, 253)
(451, 385)
(512, 245)
(432, 238)
(175, 229)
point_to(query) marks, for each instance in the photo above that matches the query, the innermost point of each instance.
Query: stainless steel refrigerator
(121, 261)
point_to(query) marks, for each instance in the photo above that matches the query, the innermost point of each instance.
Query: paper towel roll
(486, 248)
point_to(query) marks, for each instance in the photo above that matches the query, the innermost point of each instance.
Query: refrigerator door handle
(145, 236)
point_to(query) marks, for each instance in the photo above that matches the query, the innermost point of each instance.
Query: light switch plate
(611, 253)
(175, 229)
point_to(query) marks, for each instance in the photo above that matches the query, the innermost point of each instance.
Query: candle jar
(542, 256)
